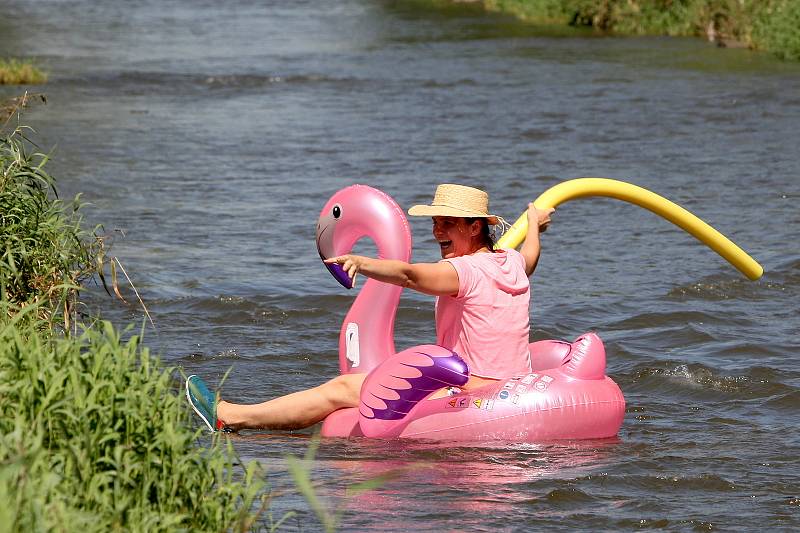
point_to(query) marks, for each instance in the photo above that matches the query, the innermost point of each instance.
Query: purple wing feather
(393, 392)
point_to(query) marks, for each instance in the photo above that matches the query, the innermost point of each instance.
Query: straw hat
(456, 201)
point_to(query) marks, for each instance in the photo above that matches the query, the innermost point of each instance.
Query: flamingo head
(361, 211)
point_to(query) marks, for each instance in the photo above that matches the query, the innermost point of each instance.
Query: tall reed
(94, 436)
(45, 254)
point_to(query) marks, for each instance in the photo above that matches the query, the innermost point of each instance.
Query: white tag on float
(351, 344)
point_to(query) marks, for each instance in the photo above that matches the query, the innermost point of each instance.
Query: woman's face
(454, 235)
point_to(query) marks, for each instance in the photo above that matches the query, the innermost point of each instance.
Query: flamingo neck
(367, 335)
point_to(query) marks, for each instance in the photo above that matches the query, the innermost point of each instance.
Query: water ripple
(677, 379)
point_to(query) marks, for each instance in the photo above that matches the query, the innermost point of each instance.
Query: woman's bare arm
(538, 221)
(438, 279)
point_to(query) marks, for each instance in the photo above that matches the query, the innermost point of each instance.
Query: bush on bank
(777, 29)
(770, 25)
(45, 253)
(94, 437)
(20, 72)
(94, 433)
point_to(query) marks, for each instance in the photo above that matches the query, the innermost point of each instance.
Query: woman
(482, 310)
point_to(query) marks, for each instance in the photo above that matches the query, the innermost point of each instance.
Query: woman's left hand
(541, 217)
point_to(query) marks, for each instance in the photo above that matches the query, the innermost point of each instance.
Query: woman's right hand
(351, 264)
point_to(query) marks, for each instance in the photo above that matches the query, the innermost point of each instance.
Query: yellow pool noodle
(584, 187)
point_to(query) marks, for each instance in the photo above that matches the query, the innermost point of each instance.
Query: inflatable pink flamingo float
(566, 394)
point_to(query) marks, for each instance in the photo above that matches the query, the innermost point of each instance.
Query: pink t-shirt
(487, 322)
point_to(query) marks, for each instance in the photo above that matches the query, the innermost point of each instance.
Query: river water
(207, 136)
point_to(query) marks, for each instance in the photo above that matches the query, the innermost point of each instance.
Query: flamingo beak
(340, 275)
(325, 247)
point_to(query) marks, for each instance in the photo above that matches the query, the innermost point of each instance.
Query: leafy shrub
(44, 253)
(777, 28)
(94, 436)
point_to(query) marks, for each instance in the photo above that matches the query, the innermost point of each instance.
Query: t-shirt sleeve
(518, 258)
(466, 275)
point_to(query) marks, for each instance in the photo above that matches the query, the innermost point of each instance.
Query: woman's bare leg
(297, 410)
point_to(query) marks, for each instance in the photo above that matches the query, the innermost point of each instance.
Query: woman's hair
(486, 236)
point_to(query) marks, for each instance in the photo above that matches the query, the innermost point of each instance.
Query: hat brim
(447, 211)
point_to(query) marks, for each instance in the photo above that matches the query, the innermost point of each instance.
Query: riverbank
(95, 434)
(768, 25)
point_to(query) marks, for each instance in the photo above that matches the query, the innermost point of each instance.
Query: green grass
(770, 25)
(777, 28)
(20, 72)
(44, 253)
(96, 436)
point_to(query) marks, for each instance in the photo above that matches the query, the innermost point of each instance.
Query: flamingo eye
(336, 211)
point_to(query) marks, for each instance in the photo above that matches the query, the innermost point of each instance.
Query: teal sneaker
(203, 401)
